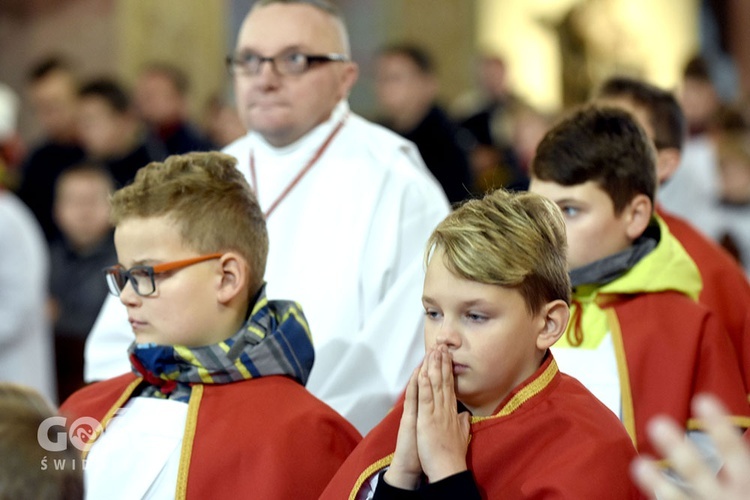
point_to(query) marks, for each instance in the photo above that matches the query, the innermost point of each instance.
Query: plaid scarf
(275, 340)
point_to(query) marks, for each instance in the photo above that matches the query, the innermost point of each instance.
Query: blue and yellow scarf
(275, 340)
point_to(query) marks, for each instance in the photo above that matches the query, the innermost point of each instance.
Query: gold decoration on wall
(558, 50)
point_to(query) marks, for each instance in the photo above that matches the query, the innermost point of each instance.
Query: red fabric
(560, 443)
(726, 290)
(262, 438)
(680, 351)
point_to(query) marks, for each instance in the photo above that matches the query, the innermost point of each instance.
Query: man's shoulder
(381, 153)
(237, 145)
(376, 140)
(377, 152)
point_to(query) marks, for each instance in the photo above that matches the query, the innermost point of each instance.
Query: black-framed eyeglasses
(142, 277)
(293, 63)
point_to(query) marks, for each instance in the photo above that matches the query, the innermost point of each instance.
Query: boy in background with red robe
(216, 405)
(637, 338)
(725, 290)
(488, 414)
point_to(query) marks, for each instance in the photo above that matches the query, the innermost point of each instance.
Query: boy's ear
(235, 273)
(667, 161)
(556, 315)
(638, 213)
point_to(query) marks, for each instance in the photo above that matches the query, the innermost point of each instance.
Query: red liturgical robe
(550, 438)
(726, 290)
(261, 438)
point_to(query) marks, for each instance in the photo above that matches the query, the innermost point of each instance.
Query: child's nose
(448, 335)
(127, 295)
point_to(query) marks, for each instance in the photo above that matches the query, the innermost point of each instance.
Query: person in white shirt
(349, 207)
(25, 331)
(26, 351)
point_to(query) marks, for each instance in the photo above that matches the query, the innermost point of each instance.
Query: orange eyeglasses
(142, 277)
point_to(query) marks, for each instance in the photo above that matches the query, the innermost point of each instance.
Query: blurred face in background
(54, 99)
(104, 132)
(157, 100)
(492, 77)
(699, 102)
(404, 92)
(82, 207)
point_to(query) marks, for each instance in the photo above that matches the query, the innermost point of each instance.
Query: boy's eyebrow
(566, 200)
(466, 303)
(476, 302)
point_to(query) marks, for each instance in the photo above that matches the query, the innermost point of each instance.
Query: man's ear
(234, 275)
(638, 213)
(555, 315)
(349, 76)
(667, 161)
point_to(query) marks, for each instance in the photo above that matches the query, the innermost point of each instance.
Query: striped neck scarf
(275, 340)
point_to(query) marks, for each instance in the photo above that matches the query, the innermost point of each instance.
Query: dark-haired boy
(637, 338)
(725, 290)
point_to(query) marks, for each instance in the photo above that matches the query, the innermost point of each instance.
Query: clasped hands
(433, 437)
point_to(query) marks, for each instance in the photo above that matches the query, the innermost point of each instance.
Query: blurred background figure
(85, 247)
(221, 122)
(25, 336)
(406, 87)
(161, 100)
(528, 126)
(693, 190)
(732, 226)
(111, 132)
(488, 114)
(27, 470)
(699, 97)
(53, 93)
(11, 145)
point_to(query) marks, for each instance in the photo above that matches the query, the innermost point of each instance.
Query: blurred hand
(732, 482)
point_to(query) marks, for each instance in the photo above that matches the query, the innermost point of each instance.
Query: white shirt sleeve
(106, 346)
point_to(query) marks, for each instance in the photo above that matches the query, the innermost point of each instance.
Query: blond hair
(514, 240)
(209, 200)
